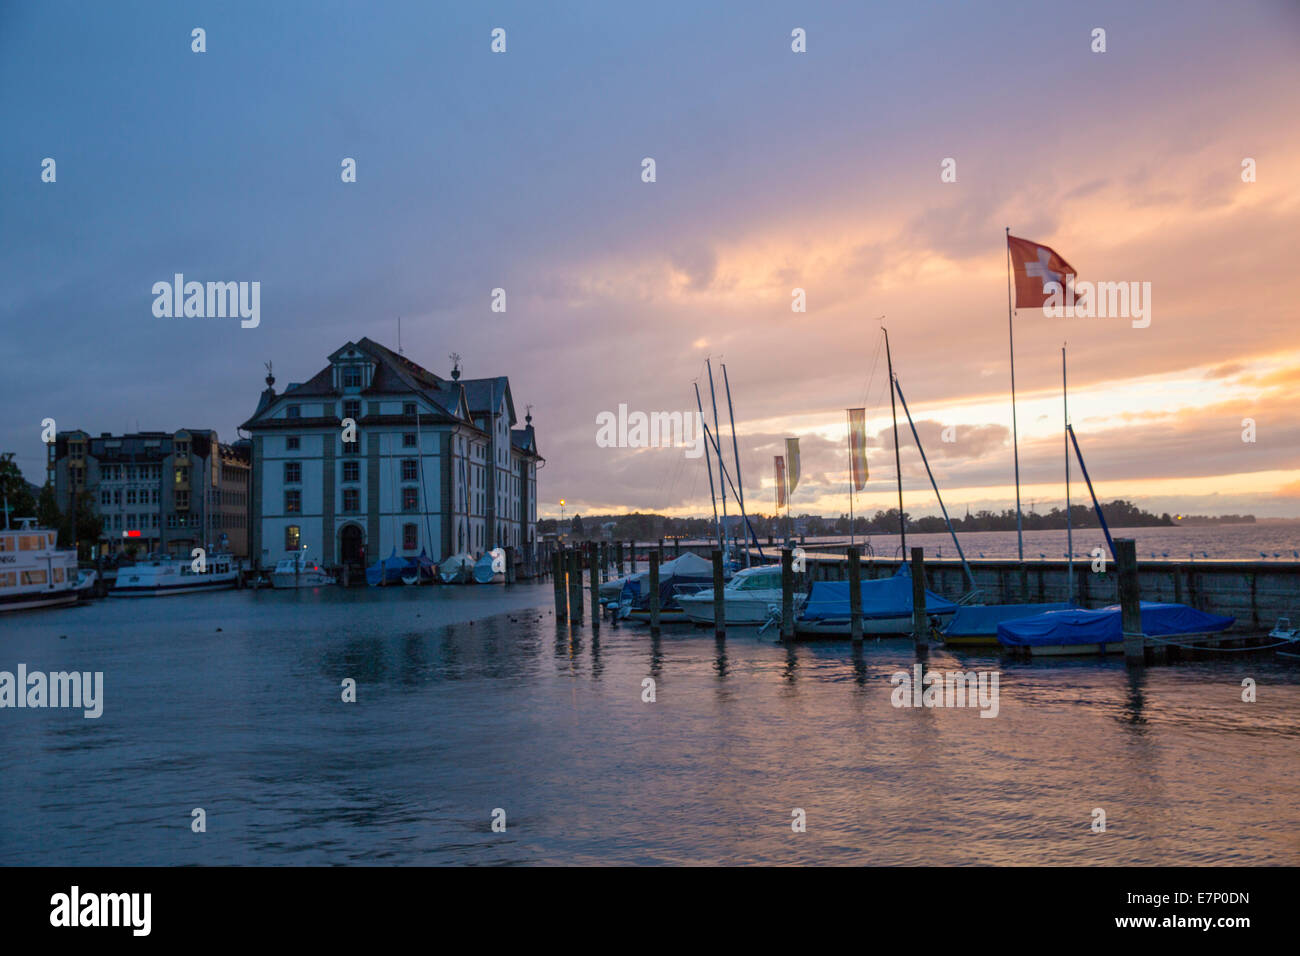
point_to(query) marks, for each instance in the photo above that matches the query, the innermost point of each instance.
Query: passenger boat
(1080, 631)
(161, 574)
(33, 571)
(886, 607)
(748, 598)
(299, 571)
(976, 625)
(458, 569)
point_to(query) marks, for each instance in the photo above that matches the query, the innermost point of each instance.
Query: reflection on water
(470, 699)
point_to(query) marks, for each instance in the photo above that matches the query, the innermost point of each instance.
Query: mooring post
(787, 594)
(920, 623)
(595, 587)
(855, 594)
(575, 585)
(510, 565)
(618, 555)
(1130, 600)
(719, 602)
(654, 594)
(557, 582)
(677, 547)
(661, 550)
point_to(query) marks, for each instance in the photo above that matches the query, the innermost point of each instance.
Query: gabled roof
(525, 440)
(486, 394)
(394, 374)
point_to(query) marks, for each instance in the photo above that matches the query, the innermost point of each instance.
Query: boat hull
(24, 602)
(738, 611)
(900, 625)
(150, 590)
(282, 581)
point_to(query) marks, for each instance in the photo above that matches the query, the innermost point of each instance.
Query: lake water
(472, 699)
(1187, 542)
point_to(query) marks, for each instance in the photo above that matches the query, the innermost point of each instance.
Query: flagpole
(852, 480)
(1015, 439)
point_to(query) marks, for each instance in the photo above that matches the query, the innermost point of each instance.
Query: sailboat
(421, 570)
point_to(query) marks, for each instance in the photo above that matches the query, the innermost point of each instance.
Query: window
(352, 409)
(292, 442)
(410, 537)
(351, 500)
(408, 440)
(292, 472)
(117, 496)
(130, 496)
(293, 411)
(352, 447)
(292, 537)
(183, 500)
(351, 376)
(105, 497)
(352, 471)
(182, 476)
(410, 499)
(408, 408)
(410, 470)
(293, 502)
(33, 577)
(171, 521)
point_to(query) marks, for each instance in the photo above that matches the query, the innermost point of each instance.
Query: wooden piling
(575, 585)
(557, 582)
(661, 550)
(618, 555)
(855, 594)
(719, 601)
(787, 594)
(1130, 600)
(595, 587)
(677, 547)
(510, 565)
(920, 623)
(654, 594)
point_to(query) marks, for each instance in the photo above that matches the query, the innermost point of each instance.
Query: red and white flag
(1037, 266)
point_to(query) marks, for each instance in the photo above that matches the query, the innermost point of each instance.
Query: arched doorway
(351, 541)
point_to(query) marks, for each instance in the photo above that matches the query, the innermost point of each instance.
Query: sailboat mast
(898, 458)
(735, 450)
(708, 464)
(722, 488)
(1069, 528)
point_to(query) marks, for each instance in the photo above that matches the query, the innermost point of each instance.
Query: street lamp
(561, 524)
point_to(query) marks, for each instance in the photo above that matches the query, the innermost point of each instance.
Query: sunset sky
(775, 170)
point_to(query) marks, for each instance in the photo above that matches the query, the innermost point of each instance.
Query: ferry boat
(33, 572)
(161, 574)
(299, 571)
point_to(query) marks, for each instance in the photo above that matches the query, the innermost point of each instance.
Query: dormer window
(352, 376)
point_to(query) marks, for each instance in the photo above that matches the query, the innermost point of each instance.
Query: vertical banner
(778, 466)
(792, 463)
(858, 446)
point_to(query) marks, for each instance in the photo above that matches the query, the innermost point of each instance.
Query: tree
(13, 486)
(576, 529)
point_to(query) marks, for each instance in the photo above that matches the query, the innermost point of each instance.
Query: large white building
(436, 466)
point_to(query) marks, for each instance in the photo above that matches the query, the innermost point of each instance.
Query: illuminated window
(410, 499)
(293, 501)
(292, 537)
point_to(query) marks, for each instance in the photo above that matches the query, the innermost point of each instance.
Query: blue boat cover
(982, 620)
(483, 572)
(1104, 626)
(881, 598)
(390, 569)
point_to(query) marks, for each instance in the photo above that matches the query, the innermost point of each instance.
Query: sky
(774, 170)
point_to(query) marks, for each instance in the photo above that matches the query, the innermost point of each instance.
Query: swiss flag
(1035, 266)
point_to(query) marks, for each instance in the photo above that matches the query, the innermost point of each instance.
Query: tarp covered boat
(886, 607)
(978, 623)
(1080, 631)
(388, 571)
(458, 569)
(684, 575)
(484, 572)
(421, 569)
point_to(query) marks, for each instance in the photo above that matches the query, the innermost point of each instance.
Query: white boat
(1283, 631)
(299, 571)
(161, 574)
(33, 572)
(747, 599)
(458, 569)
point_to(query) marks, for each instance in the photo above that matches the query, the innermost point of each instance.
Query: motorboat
(1101, 631)
(299, 571)
(748, 598)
